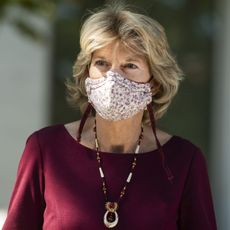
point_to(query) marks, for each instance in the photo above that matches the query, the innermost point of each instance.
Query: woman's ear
(155, 86)
(151, 81)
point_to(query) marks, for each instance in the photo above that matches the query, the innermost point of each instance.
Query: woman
(113, 168)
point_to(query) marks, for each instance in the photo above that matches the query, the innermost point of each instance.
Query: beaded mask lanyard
(111, 216)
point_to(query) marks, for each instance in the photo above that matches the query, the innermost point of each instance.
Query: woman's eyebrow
(128, 59)
(100, 57)
(131, 59)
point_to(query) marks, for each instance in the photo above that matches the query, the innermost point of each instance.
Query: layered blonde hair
(143, 36)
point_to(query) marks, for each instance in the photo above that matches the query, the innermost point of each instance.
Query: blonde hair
(140, 33)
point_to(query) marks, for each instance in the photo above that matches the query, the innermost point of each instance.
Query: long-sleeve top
(58, 187)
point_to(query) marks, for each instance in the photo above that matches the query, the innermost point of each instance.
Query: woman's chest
(75, 199)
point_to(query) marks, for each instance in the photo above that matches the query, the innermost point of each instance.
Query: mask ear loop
(163, 160)
(83, 120)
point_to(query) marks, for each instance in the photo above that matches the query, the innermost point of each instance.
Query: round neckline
(168, 142)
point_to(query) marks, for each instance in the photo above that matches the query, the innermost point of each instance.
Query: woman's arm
(27, 202)
(196, 209)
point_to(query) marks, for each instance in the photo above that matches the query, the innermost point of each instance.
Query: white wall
(24, 100)
(221, 118)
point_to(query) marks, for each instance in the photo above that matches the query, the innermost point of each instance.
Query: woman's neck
(118, 136)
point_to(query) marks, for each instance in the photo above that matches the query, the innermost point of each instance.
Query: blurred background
(39, 42)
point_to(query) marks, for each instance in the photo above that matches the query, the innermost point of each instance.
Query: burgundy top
(58, 186)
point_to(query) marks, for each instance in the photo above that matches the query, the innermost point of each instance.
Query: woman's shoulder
(183, 143)
(47, 134)
(49, 130)
(172, 142)
(184, 151)
(176, 147)
(55, 134)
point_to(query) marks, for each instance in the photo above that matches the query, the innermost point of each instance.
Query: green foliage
(41, 8)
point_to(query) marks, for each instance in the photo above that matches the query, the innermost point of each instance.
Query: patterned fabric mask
(115, 97)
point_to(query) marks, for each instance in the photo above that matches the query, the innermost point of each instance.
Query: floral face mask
(115, 97)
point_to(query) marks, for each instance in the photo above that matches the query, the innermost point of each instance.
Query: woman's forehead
(117, 49)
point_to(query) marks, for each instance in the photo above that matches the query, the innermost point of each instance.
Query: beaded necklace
(111, 216)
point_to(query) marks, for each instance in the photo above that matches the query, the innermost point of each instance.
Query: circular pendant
(110, 219)
(111, 216)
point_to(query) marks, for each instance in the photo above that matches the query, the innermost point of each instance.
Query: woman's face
(117, 57)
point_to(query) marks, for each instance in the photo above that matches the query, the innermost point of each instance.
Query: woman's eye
(101, 63)
(130, 66)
